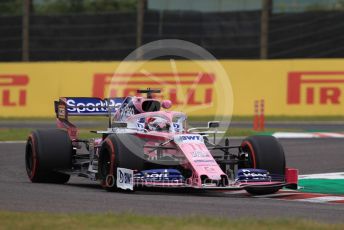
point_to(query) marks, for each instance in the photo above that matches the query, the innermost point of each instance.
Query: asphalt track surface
(82, 195)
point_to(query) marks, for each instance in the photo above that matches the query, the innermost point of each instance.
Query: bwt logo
(180, 88)
(13, 90)
(124, 177)
(315, 88)
(190, 138)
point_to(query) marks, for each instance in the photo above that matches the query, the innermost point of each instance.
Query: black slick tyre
(47, 152)
(119, 150)
(264, 152)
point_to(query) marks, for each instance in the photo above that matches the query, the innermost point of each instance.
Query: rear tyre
(119, 150)
(264, 152)
(48, 151)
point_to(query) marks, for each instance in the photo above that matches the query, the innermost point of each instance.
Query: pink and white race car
(146, 145)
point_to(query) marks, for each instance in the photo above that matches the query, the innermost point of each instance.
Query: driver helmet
(157, 124)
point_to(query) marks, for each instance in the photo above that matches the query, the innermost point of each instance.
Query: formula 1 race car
(146, 146)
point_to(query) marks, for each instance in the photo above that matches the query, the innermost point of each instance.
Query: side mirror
(166, 104)
(213, 124)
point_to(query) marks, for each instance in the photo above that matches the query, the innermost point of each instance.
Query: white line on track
(276, 195)
(235, 192)
(334, 175)
(307, 135)
(324, 199)
(12, 142)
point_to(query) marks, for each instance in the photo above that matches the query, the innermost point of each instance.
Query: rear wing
(86, 106)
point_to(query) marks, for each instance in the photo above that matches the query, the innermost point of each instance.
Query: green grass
(291, 118)
(21, 220)
(271, 118)
(9, 134)
(243, 132)
(21, 134)
(195, 118)
(94, 118)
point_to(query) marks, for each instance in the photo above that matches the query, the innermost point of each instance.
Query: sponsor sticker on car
(140, 125)
(125, 179)
(199, 154)
(89, 106)
(159, 175)
(188, 138)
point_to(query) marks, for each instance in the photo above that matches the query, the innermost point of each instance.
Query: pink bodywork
(201, 161)
(189, 146)
(197, 157)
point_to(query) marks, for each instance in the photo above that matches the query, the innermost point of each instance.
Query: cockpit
(146, 114)
(162, 121)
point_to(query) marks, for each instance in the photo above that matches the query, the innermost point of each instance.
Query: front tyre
(119, 150)
(263, 152)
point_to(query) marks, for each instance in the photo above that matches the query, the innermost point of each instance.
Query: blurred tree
(325, 6)
(11, 7)
(340, 4)
(110, 5)
(52, 6)
(79, 6)
(318, 7)
(76, 5)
